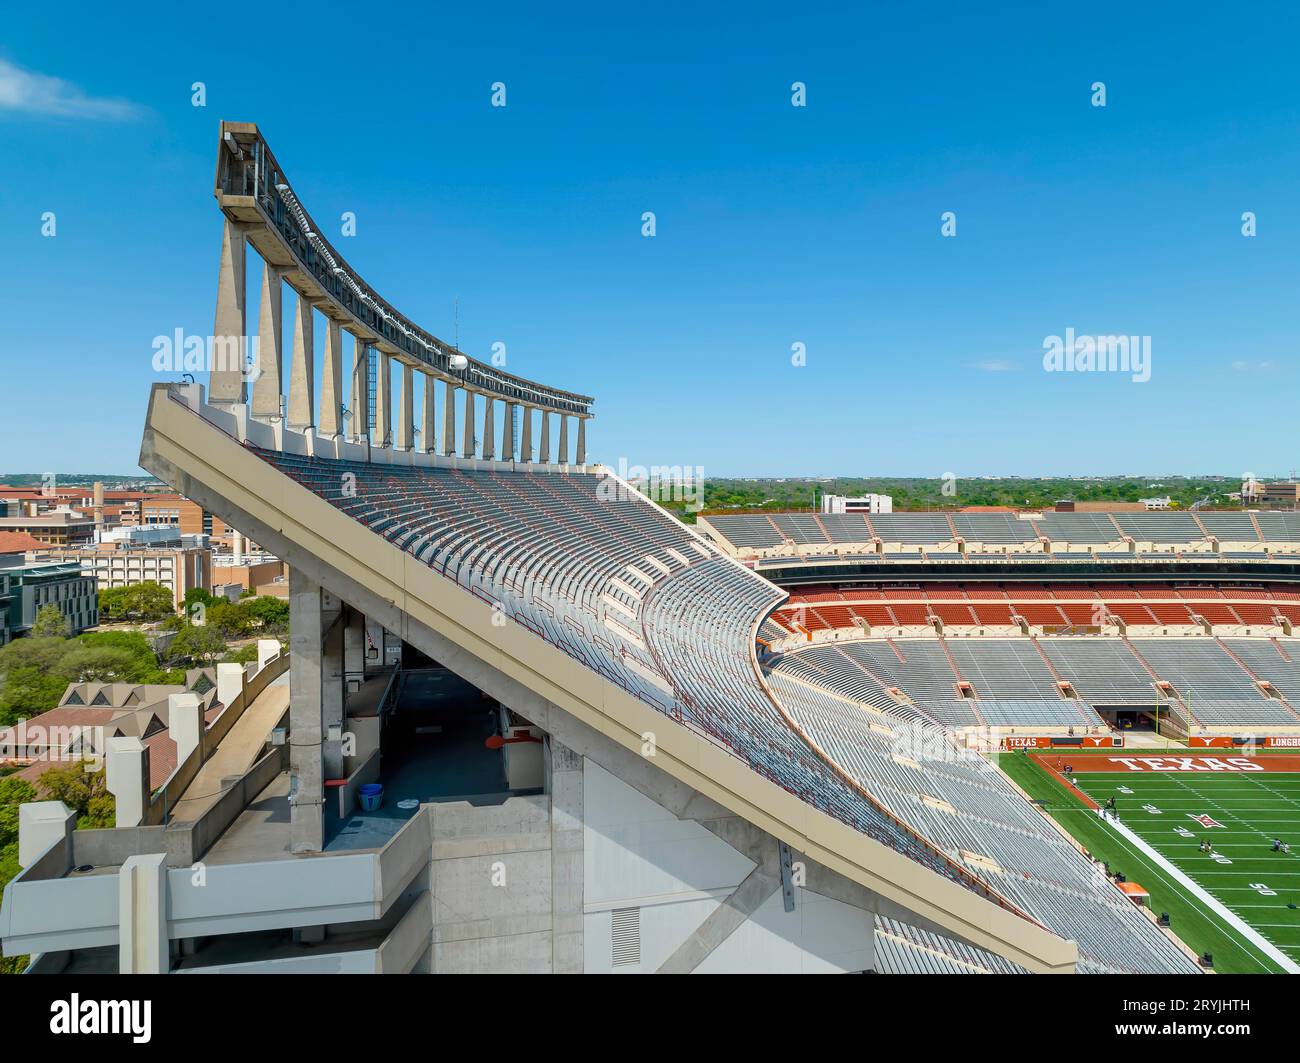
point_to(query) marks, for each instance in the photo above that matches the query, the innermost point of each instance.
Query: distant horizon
(918, 258)
(73, 477)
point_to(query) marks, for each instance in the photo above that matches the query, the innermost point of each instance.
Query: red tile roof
(19, 543)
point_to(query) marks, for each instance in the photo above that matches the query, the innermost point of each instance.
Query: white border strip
(1210, 902)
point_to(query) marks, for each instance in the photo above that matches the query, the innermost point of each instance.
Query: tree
(34, 672)
(203, 644)
(143, 602)
(29, 680)
(50, 623)
(85, 792)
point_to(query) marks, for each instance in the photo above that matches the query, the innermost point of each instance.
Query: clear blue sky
(776, 224)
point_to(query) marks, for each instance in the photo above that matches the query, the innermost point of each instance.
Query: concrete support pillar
(544, 449)
(581, 456)
(226, 384)
(126, 775)
(428, 437)
(526, 434)
(302, 385)
(267, 385)
(384, 403)
(230, 682)
(449, 420)
(185, 723)
(508, 433)
(406, 410)
(40, 825)
(333, 688)
(360, 391)
(563, 456)
(467, 439)
(142, 946)
(315, 706)
(354, 646)
(331, 383)
(489, 429)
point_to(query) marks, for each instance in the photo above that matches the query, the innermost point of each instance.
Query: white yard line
(1224, 913)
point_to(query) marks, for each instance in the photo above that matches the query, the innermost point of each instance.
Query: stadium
(766, 742)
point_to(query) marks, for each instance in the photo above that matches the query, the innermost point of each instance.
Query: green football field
(1243, 873)
(1253, 808)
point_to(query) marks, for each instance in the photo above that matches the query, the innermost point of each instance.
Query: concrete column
(526, 434)
(230, 682)
(302, 386)
(508, 433)
(581, 456)
(315, 706)
(449, 420)
(428, 437)
(544, 450)
(563, 456)
(354, 646)
(226, 383)
(270, 347)
(467, 439)
(331, 383)
(142, 946)
(567, 867)
(126, 775)
(40, 825)
(406, 410)
(489, 444)
(185, 723)
(384, 402)
(360, 391)
(333, 687)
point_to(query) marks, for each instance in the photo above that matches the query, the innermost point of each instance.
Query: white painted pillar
(40, 825)
(563, 456)
(270, 347)
(126, 775)
(581, 456)
(267, 651)
(185, 723)
(142, 915)
(230, 682)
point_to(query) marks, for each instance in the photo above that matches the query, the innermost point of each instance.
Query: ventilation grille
(626, 936)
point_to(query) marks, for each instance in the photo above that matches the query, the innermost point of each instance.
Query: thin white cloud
(1242, 366)
(26, 92)
(992, 365)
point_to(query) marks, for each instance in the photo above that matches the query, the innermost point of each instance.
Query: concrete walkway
(237, 752)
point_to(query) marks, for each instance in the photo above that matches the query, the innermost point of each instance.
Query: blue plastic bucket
(372, 796)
